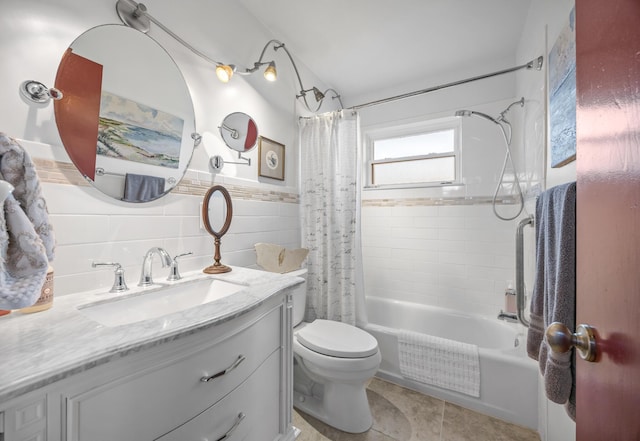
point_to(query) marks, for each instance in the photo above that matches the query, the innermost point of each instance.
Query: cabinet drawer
(249, 413)
(26, 421)
(150, 403)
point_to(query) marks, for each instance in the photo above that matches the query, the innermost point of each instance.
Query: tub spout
(507, 317)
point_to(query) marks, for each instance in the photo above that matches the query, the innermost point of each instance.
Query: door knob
(561, 339)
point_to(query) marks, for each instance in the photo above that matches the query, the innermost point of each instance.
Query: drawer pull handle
(235, 364)
(234, 427)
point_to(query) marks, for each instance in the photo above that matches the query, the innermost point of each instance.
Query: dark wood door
(608, 213)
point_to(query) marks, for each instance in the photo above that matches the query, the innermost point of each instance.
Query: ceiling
(363, 47)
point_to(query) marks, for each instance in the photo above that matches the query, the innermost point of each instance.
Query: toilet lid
(337, 339)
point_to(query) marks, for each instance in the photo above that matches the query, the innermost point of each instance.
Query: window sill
(405, 186)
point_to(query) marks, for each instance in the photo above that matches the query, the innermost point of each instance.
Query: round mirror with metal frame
(126, 117)
(216, 217)
(239, 131)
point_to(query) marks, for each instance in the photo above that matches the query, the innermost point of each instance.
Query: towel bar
(101, 172)
(520, 289)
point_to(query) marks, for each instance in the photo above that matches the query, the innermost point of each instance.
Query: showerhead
(505, 128)
(474, 113)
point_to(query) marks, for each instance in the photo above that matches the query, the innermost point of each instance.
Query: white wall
(91, 227)
(458, 257)
(545, 21)
(443, 246)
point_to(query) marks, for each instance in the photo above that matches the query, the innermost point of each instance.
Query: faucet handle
(119, 284)
(174, 274)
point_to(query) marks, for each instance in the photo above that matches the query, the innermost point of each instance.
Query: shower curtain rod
(533, 64)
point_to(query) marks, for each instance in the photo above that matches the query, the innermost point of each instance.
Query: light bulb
(270, 73)
(224, 72)
(317, 94)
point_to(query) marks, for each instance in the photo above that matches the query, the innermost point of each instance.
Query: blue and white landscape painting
(134, 132)
(562, 95)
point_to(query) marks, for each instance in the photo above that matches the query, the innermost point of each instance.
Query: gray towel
(26, 236)
(554, 291)
(18, 169)
(23, 258)
(142, 188)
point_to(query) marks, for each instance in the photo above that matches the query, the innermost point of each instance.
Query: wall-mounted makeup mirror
(216, 217)
(126, 118)
(240, 133)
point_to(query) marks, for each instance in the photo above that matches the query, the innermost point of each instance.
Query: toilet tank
(299, 296)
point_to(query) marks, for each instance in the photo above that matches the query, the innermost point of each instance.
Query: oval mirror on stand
(125, 118)
(216, 216)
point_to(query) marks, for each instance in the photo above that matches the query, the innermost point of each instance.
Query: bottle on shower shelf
(510, 299)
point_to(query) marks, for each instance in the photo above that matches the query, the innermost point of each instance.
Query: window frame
(413, 129)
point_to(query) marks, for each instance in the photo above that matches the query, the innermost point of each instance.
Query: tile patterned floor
(401, 414)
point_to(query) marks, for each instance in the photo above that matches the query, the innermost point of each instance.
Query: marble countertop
(41, 348)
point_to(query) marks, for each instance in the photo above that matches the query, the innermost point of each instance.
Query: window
(415, 155)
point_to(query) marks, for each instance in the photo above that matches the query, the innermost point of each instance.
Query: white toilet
(333, 362)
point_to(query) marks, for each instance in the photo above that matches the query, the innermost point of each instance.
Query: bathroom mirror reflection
(126, 118)
(217, 212)
(239, 131)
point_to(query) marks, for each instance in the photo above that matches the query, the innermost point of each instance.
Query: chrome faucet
(119, 284)
(508, 317)
(174, 274)
(165, 259)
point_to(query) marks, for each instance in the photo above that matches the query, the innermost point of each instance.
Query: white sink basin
(157, 302)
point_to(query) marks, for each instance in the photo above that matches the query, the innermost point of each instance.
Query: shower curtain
(330, 214)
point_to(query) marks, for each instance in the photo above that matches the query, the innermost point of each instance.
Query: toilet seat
(337, 339)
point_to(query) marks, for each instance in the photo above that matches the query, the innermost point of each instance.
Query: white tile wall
(455, 256)
(90, 227)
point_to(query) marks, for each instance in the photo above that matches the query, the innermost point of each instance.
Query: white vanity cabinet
(25, 420)
(230, 379)
(248, 413)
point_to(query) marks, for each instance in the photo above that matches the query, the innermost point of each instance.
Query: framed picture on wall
(271, 159)
(562, 96)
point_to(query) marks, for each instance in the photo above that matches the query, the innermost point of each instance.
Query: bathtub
(508, 378)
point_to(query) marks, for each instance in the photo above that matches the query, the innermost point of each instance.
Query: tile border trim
(419, 202)
(57, 172)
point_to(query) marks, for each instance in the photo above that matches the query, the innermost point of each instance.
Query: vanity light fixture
(135, 15)
(270, 73)
(225, 72)
(316, 93)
